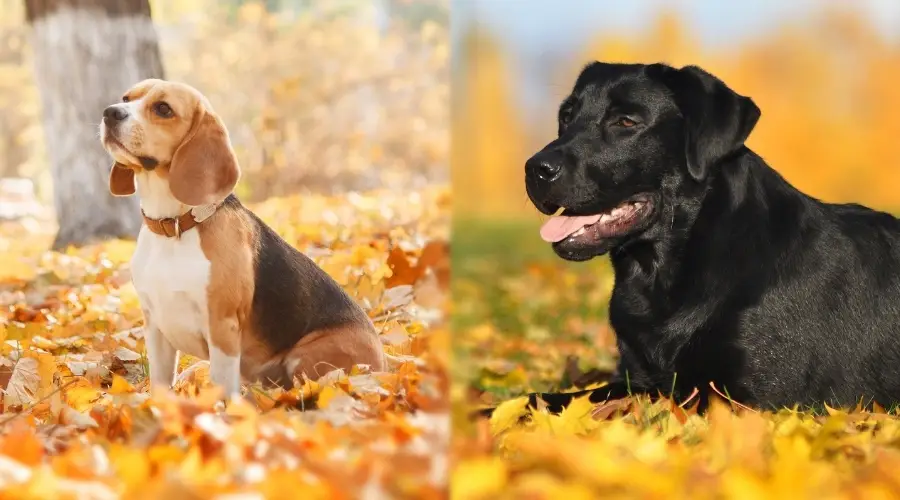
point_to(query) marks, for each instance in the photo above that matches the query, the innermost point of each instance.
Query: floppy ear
(204, 168)
(718, 120)
(121, 180)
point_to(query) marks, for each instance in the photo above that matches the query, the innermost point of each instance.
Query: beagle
(213, 280)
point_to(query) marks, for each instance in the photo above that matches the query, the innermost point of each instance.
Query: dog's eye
(162, 109)
(565, 117)
(124, 98)
(625, 122)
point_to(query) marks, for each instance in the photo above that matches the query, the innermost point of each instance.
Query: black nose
(114, 114)
(545, 168)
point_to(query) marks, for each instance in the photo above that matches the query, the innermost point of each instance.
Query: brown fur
(156, 136)
(229, 242)
(204, 168)
(121, 180)
(320, 352)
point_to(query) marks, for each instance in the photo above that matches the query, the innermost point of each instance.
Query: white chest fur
(171, 276)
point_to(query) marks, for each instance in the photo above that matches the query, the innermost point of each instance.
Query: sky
(530, 31)
(533, 23)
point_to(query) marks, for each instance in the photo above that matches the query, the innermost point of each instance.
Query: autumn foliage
(77, 420)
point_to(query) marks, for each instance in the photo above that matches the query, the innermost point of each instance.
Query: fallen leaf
(507, 414)
(120, 386)
(126, 354)
(24, 383)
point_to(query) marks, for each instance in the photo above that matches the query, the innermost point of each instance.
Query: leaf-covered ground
(77, 420)
(524, 321)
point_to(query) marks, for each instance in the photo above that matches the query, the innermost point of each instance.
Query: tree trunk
(86, 54)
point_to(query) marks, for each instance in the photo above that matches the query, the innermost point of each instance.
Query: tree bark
(86, 54)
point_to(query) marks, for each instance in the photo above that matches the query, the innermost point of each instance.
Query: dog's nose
(545, 168)
(114, 114)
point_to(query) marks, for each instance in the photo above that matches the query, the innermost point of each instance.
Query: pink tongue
(560, 226)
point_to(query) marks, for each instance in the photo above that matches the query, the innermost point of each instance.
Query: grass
(524, 320)
(528, 310)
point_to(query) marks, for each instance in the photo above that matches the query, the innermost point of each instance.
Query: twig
(733, 402)
(26, 410)
(688, 400)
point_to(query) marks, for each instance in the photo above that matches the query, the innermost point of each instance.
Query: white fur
(135, 118)
(161, 353)
(225, 370)
(171, 276)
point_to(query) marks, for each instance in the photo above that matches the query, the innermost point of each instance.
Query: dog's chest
(171, 276)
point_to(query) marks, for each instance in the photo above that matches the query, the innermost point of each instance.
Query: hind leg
(321, 352)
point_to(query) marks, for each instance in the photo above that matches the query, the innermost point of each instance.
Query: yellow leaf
(132, 465)
(507, 414)
(478, 478)
(119, 251)
(163, 454)
(325, 396)
(81, 396)
(834, 411)
(308, 389)
(590, 387)
(120, 386)
(578, 408)
(575, 419)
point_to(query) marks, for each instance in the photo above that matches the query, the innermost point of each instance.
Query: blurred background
(824, 74)
(321, 96)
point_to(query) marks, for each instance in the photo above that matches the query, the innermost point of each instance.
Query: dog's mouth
(113, 145)
(143, 162)
(570, 232)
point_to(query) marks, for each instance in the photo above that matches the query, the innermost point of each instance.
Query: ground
(77, 420)
(526, 321)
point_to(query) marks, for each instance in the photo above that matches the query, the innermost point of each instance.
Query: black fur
(736, 278)
(149, 163)
(293, 297)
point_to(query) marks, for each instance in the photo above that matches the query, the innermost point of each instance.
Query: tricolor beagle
(213, 280)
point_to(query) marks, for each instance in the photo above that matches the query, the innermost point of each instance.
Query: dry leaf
(23, 383)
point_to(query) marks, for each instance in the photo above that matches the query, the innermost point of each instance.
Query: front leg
(225, 356)
(161, 355)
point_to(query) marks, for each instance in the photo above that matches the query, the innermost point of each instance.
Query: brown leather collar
(172, 227)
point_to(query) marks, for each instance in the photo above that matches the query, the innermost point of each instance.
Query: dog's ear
(204, 168)
(121, 180)
(718, 120)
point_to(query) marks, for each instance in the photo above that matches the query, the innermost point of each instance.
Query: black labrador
(724, 272)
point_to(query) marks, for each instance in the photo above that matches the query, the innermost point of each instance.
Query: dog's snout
(114, 114)
(545, 167)
(547, 170)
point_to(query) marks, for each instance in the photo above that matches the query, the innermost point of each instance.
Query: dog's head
(634, 141)
(169, 129)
